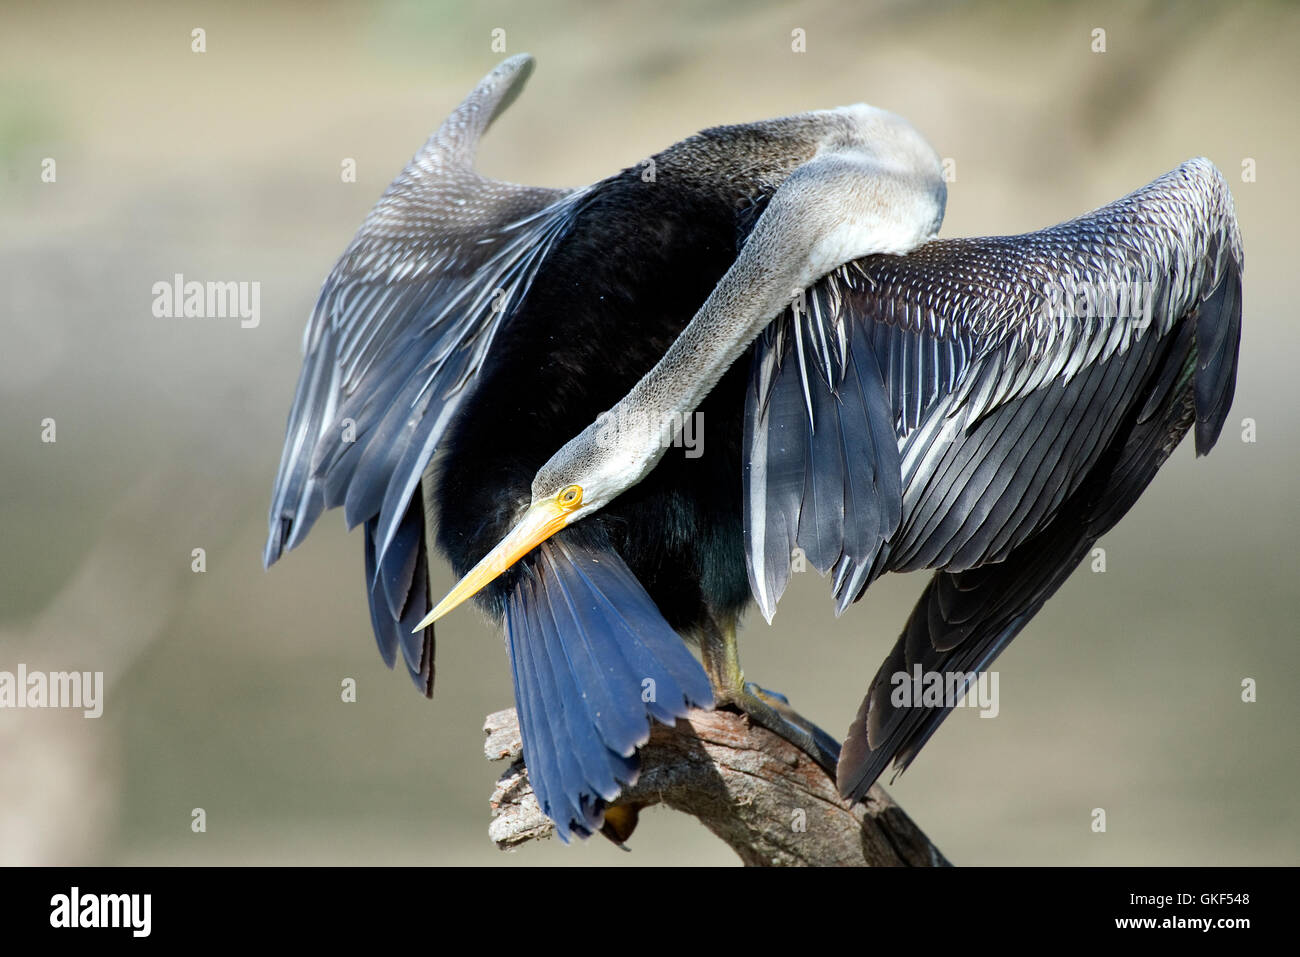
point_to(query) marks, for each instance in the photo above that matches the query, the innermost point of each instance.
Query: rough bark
(766, 799)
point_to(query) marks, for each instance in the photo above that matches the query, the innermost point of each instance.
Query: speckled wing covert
(398, 333)
(957, 409)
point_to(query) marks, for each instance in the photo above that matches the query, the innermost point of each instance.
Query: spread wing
(988, 408)
(396, 338)
(917, 413)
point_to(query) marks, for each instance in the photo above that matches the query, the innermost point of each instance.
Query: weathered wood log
(765, 798)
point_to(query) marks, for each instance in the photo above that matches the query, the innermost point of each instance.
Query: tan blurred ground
(224, 687)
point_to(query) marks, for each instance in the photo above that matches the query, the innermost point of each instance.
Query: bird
(507, 376)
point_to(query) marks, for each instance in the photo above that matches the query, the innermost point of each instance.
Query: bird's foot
(772, 711)
(765, 708)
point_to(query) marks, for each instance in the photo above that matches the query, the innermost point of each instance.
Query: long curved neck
(841, 205)
(755, 290)
(872, 185)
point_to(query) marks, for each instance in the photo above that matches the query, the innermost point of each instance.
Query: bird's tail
(593, 661)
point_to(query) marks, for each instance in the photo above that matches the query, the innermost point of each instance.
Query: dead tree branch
(766, 799)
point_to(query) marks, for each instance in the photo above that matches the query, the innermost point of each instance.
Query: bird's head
(584, 476)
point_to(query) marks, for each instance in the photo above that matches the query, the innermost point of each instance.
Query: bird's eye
(570, 497)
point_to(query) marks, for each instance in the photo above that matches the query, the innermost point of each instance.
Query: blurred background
(223, 687)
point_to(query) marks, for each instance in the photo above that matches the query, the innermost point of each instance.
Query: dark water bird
(500, 373)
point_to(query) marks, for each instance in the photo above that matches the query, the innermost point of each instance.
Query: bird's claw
(772, 711)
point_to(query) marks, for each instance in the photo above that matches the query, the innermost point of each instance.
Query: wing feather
(403, 323)
(399, 331)
(976, 343)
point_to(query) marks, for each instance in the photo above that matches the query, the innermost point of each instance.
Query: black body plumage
(609, 300)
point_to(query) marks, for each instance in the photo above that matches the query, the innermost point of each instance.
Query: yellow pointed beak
(540, 522)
